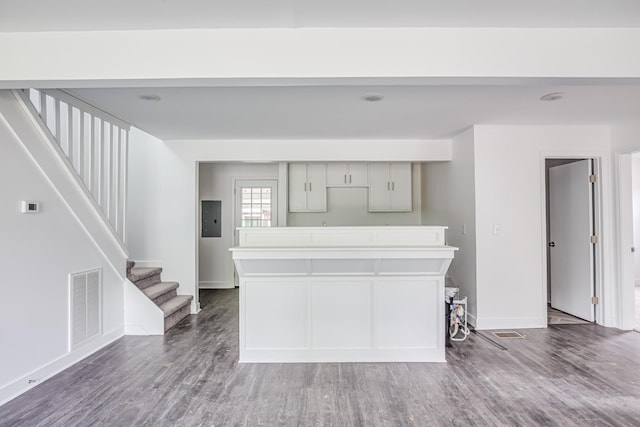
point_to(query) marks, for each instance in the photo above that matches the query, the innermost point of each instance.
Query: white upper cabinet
(347, 175)
(307, 187)
(389, 187)
(389, 184)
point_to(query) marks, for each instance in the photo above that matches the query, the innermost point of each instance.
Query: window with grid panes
(256, 206)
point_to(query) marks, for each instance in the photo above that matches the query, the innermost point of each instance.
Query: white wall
(37, 253)
(509, 179)
(625, 140)
(448, 198)
(161, 211)
(172, 178)
(216, 183)
(145, 197)
(350, 206)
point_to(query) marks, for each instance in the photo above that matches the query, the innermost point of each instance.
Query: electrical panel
(211, 218)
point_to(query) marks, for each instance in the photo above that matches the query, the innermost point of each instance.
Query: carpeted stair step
(144, 277)
(176, 309)
(161, 292)
(164, 294)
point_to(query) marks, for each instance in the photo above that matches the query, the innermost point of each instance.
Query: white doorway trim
(570, 253)
(196, 294)
(602, 220)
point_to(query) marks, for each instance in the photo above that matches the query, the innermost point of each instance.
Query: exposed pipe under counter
(342, 294)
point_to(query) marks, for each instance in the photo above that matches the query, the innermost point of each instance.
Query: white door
(255, 205)
(571, 227)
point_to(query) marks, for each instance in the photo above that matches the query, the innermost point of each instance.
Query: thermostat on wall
(29, 207)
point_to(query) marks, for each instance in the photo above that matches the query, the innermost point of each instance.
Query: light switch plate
(29, 207)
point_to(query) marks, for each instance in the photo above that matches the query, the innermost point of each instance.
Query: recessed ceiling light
(373, 97)
(554, 96)
(150, 97)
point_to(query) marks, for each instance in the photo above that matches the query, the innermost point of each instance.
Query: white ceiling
(319, 112)
(410, 109)
(48, 15)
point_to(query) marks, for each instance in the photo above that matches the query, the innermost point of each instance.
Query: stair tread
(175, 304)
(139, 273)
(158, 289)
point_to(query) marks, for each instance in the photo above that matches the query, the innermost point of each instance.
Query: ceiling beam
(209, 57)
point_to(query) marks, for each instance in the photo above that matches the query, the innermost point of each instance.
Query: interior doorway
(572, 236)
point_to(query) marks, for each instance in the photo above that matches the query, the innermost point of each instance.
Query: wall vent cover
(85, 307)
(508, 334)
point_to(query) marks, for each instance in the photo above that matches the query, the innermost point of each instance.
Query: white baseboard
(216, 284)
(472, 320)
(483, 323)
(15, 388)
(147, 263)
(136, 330)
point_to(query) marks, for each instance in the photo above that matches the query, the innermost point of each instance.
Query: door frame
(572, 297)
(597, 224)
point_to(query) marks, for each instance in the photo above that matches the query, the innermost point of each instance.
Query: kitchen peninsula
(342, 294)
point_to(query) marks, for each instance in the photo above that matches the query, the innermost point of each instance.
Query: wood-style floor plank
(560, 376)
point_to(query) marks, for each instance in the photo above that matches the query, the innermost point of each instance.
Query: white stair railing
(93, 145)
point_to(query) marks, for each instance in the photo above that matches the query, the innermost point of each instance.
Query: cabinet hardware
(393, 186)
(349, 178)
(345, 178)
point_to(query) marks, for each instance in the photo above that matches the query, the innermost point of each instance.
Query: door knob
(552, 244)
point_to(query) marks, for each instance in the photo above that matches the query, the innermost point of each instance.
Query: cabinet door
(357, 174)
(346, 174)
(316, 187)
(379, 187)
(337, 175)
(297, 187)
(400, 176)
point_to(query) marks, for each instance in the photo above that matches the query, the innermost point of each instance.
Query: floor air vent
(85, 307)
(508, 334)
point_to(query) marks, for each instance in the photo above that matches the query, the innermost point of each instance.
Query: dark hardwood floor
(582, 375)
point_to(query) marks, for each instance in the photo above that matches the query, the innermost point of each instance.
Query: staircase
(164, 294)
